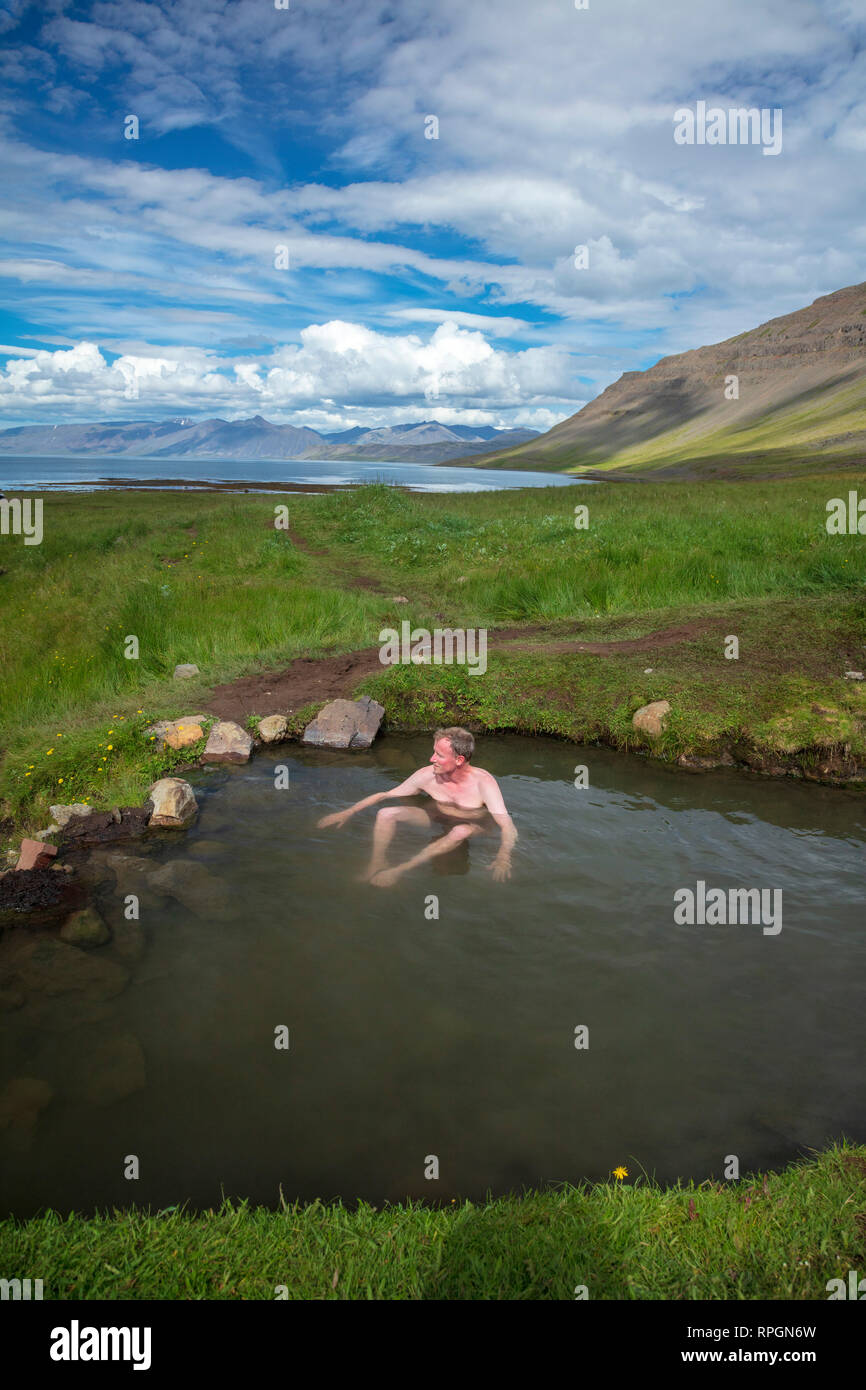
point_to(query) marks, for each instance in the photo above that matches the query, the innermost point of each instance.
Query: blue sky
(141, 278)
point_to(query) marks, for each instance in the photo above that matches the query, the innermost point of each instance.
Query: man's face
(443, 759)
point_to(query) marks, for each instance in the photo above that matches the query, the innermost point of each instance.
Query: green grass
(810, 438)
(822, 429)
(645, 549)
(767, 1236)
(208, 580)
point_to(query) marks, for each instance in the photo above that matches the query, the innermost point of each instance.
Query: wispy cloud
(305, 128)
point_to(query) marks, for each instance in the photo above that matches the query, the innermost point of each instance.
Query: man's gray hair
(461, 741)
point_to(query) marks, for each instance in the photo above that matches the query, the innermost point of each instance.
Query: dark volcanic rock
(37, 898)
(103, 828)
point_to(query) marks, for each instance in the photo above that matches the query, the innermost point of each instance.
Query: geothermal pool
(413, 1036)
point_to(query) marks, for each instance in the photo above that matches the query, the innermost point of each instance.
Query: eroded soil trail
(309, 679)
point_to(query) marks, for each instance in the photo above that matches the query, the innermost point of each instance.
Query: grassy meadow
(207, 579)
(767, 1236)
(824, 428)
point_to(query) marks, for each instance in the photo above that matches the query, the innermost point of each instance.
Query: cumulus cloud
(345, 364)
(554, 132)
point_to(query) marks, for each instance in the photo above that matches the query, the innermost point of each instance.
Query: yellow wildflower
(620, 1173)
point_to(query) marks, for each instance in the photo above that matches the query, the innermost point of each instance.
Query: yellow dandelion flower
(60, 781)
(110, 746)
(620, 1173)
(49, 752)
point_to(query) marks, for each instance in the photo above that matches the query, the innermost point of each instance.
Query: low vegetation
(208, 580)
(767, 1236)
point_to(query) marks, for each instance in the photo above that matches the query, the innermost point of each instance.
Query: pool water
(438, 1019)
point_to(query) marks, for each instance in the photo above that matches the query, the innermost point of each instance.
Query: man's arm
(495, 803)
(410, 787)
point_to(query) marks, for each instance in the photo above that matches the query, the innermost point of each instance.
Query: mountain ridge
(423, 441)
(800, 405)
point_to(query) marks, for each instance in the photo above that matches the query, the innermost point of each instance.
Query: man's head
(451, 749)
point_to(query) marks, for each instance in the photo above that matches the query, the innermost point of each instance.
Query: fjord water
(60, 474)
(454, 1037)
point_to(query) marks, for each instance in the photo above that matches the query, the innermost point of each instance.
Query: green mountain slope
(801, 405)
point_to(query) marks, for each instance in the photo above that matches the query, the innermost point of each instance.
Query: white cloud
(346, 364)
(555, 130)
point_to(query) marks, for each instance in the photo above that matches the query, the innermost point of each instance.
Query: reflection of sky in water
(455, 1035)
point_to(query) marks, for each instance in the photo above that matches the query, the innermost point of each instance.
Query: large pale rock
(273, 728)
(185, 671)
(181, 735)
(228, 743)
(62, 815)
(196, 888)
(85, 928)
(174, 802)
(345, 724)
(177, 733)
(132, 876)
(35, 855)
(649, 719)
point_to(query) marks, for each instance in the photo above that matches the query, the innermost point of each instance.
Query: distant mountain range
(425, 442)
(800, 405)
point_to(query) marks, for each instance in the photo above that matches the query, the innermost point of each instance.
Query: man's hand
(337, 819)
(500, 868)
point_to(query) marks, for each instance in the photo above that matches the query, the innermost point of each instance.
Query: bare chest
(467, 796)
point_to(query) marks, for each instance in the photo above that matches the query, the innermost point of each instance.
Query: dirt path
(336, 677)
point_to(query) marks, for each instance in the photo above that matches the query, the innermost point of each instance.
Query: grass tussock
(767, 1236)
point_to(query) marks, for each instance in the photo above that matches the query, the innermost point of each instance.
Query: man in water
(466, 798)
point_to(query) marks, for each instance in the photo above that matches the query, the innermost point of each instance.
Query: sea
(67, 474)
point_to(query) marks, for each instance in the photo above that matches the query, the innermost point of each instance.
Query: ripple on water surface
(412, 1035)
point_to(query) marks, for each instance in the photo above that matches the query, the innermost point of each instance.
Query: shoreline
(192, 485)
(700, 1242)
